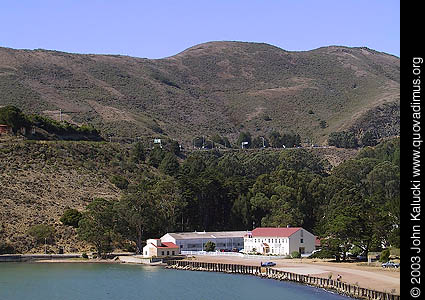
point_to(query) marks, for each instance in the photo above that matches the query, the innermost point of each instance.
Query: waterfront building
(155, 247)
(279, 241)
(195, 241)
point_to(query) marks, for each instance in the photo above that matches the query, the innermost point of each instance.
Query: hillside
(41, 179)
(216, 87)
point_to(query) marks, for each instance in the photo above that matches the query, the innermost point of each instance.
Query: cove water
(95, 281)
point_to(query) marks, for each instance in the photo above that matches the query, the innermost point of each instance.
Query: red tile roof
(274, 232)
(167, 245)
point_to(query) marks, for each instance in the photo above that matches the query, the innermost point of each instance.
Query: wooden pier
(340, 287)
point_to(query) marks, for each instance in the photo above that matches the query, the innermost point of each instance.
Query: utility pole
(264, 146)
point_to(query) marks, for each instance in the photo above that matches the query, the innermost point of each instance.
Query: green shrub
(209, 246)
(7, 248)
(42, 233)
(71, 217)
(385, 255)
(120, 182)
(295, 254)
(84, 255)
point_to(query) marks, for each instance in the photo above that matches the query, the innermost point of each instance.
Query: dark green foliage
(368, 139)
(364, 201)
(156, 156)
(223, 141)
(119, 181)
(286, 140)
(13, 116)
(260, 142)
(42, 233)
(295, 254)
(324, 253)
(6, 248)
(71, 217)
(173, 147)
(169, 164)
(385, 255)
(323, 124)
(209, 246)
(343, 139)
(16, 119)
(138, 154)
(97, 225)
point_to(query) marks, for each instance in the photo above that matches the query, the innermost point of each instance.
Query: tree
(275, 139)
(209, 246)
(13, 116)
(138, 153)
(156, 156)
(171, 204)
(97, 225)
(343, 139)
(119, 181)
(42, 233)
(169, 164)
(71, 217)
(137, 213)
(368, 139)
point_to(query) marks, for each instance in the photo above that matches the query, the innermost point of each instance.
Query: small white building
(154, 247)
(279, 241)
(195, 241)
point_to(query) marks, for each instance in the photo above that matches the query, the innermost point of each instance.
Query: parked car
(268, 264)
(361, 258)
(390, 264)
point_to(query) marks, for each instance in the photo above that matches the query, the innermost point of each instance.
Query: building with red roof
(279, 241)
(154, 247)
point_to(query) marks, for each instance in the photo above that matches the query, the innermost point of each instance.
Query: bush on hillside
(71, 217)
(42, 233)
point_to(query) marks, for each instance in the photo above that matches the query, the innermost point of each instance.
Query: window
(181, 246)
(173, 252)
(168, 252)
(301, 233)
(301, 241)
(162, 253)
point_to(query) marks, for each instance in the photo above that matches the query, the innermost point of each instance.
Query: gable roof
(274, 232)
(207, 235)
(166, 245)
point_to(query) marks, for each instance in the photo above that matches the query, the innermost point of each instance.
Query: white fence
(264, 257)
(215, 253)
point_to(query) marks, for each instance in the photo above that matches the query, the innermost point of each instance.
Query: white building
(154, 247)
(195, 241)
(280, 241)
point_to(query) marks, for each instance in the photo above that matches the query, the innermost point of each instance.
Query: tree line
(356, 203)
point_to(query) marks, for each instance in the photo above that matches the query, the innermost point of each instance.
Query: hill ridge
(219, 87)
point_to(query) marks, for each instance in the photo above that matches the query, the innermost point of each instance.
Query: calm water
(76, 281)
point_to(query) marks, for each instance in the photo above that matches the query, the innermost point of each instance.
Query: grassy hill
(216, 87)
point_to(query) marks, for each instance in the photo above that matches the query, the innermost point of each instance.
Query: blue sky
(156, 29)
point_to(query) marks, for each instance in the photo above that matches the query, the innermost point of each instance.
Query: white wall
(282, 245)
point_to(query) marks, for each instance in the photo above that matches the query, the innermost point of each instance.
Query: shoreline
(368, 277)
(334, 286)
